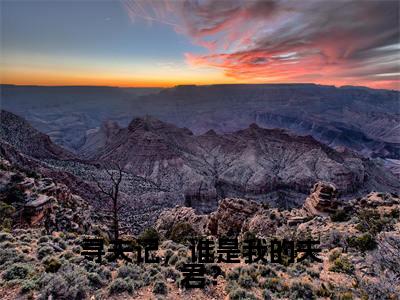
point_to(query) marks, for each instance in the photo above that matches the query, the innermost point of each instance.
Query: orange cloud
(336, 42)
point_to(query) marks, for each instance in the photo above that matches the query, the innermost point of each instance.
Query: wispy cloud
(337, 42)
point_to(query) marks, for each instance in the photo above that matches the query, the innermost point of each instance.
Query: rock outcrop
(228, 219)
(322, 200)
(169, 218)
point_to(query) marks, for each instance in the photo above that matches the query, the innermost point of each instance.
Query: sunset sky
(166, 43)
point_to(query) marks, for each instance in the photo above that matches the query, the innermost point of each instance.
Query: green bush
(17, 271)
(371, 221)
(160, 288)
(6, 212)
(364, 242)
(342, 265)
(10, 256)
(240, 294)
(334, 255)
(119, 286)
(95, 280)
(51, 264)
(44, 251)
(340, 215)
(28, 285)
(181, 232)
(149, 234)
(69, 283)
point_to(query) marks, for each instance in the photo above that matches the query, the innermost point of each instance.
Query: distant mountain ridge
(362, 119)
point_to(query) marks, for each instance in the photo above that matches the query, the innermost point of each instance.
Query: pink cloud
(335, 42)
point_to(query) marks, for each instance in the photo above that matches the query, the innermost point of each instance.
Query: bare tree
(111, 192)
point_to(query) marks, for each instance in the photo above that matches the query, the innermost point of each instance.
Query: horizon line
(188, 85)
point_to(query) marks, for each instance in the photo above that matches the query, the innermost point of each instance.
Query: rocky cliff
(268, 165)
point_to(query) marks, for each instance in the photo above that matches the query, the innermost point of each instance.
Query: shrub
(149, 234)
(104, 273)
(334, 255)
(234, 274)
(10, 256)
(153, 270)
(160, 288)
(340, 215)
(301, 290)
(170, 245)
(25, 238)
(45, 251)
(95, 280)
(246, 281)
(181, 232)
(6, 237)
(266, 271)
(129, 271)
(67, 254)
(395, 213)
(180, 263)
(151, 275)
(240, 294)
(119, 286)
(345, 296)
(43, 239)
(322, 291)
(27, 286)
(6, 245)
(17, 271)
(266, 295)
(14, 195)
(214, 270)
(342, 265)
(77, 249)
(274, 285)
(51, 264)
(173, 259)
(363, 243)
(16, 178)
(170, 273)
(6, 211)
(31, 173)
(69, 283)
(371, 221)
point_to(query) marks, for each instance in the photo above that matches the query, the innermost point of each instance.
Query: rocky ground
(360, 242)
